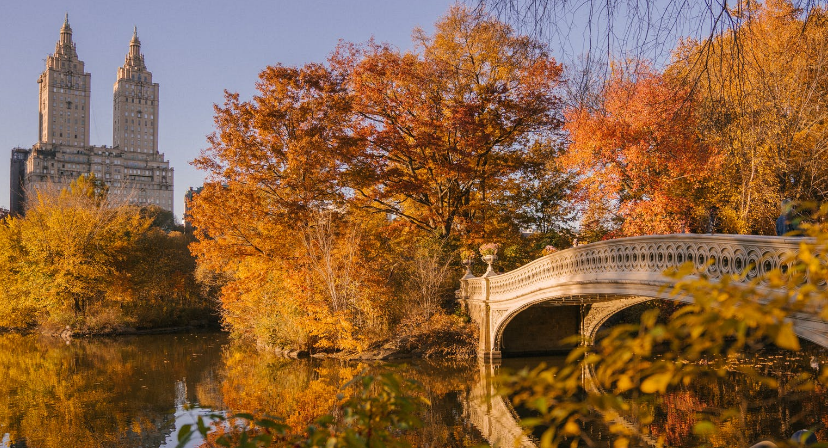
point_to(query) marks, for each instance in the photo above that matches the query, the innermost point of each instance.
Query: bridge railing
(642, 257)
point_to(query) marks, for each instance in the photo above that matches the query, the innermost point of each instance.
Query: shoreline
(69, 334)
(388, 351)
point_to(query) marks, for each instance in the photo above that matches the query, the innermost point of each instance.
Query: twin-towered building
(133, 168)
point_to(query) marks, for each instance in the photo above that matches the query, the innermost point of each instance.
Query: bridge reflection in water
(757, 411)
(492, 414)
(495, 417)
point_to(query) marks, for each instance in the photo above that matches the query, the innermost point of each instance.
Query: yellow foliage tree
(79, 259)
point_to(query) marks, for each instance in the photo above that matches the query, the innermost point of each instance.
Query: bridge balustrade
(641, 257)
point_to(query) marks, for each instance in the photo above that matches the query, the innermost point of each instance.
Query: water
(137, 391)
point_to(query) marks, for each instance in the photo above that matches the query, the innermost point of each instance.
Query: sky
(195, 50)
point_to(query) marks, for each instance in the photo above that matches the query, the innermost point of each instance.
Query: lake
(137, 391)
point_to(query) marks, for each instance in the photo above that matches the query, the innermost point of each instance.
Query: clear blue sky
(195, 50)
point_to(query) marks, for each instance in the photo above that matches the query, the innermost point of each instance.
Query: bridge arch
(567, 322)
(588, 321)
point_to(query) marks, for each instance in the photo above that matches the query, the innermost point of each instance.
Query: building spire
(134, 58)
(66, 30)
(65, 46)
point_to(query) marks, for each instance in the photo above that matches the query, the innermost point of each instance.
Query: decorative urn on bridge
(489, 253)
(467, 260)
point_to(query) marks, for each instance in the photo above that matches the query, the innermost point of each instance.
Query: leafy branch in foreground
(383, 408)
(617, 382)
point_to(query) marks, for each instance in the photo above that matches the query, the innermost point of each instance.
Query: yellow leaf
(624, 383)
(656, 383)
(621, 442)
(786, 337)
(571, 428)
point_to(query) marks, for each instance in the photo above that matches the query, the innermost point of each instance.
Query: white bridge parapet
(626, 270)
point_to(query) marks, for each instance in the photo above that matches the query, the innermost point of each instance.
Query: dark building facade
(19, 156)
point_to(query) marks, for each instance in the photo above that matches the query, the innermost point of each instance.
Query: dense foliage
(733, 126)
(337, 197)
(77, 259)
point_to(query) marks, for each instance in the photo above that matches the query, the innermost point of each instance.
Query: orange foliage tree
(762, 100)
(449, 123)
(736, 121)
(643, 165)
(337, 180)
(272, 213)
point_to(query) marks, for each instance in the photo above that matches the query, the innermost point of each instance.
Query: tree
(333, 172)
(447, 125)
(669, 146)
(764, 109)
(79, 259)
(273, 214)
(70, 243)
(643, 164)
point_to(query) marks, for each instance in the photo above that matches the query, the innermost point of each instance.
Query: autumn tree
(765, 109)
(71, 241)
(752, 90)
(324, 189)
(447, 124)
(643, 163)
(273, 214)
(71, 260)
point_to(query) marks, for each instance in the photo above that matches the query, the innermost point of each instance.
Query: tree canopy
(79, 259)
(336, 182)
(656, 151)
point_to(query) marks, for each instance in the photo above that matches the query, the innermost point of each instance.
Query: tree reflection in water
(759, 411)
(99, 393)
(299, 391)
(124, 392)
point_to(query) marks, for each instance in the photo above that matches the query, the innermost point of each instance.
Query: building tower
(64, 95)
(135, 104)
(132, 167)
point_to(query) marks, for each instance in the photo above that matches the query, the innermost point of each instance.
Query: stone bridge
(574, 291)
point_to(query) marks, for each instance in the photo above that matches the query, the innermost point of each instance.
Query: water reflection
(132, 392)
(758, 411)
(299, 391)
(99, 393)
